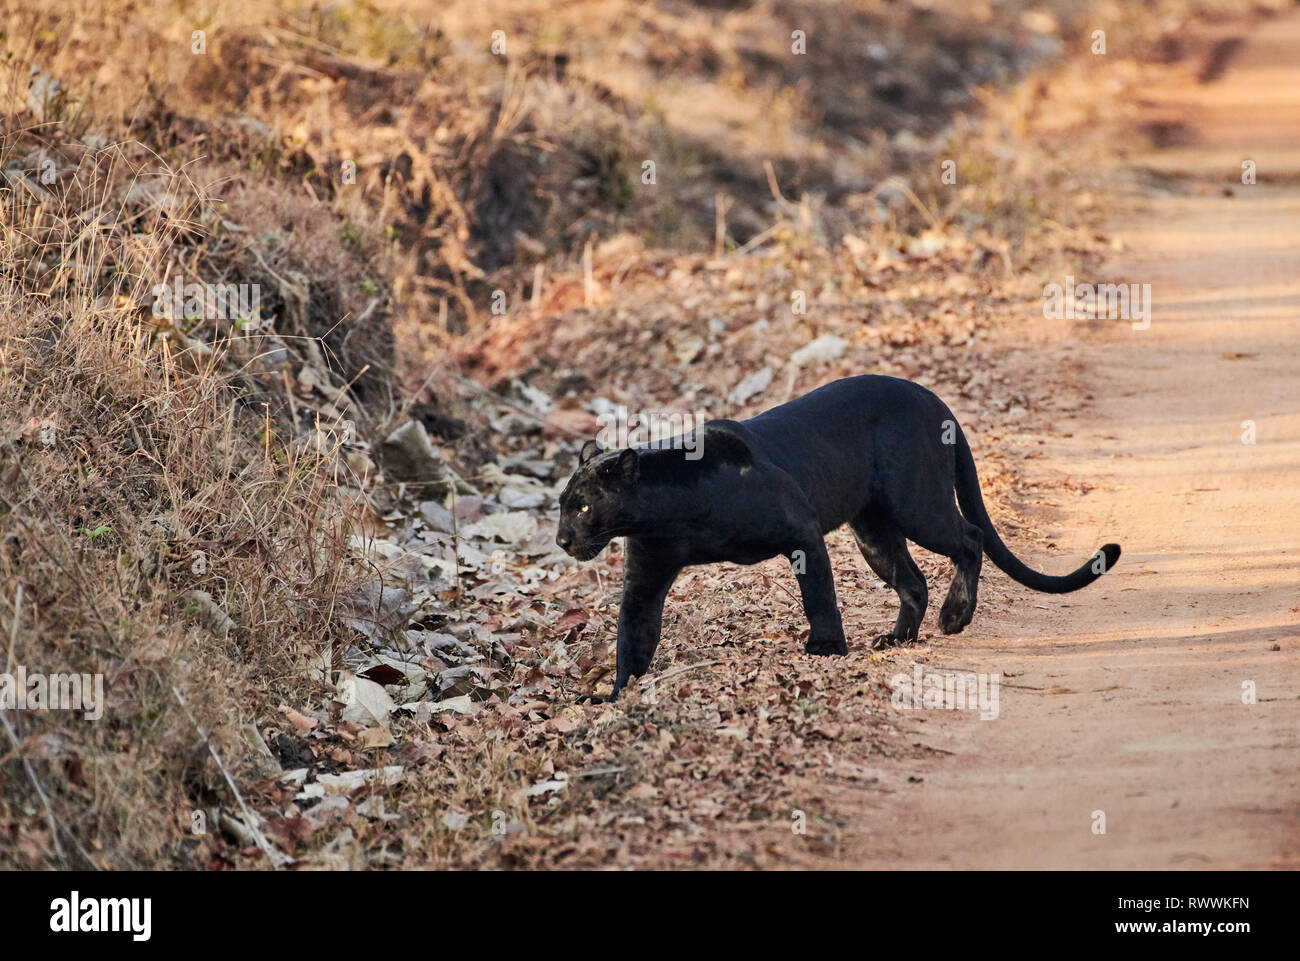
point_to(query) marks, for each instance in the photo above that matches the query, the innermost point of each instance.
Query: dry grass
(137, 467)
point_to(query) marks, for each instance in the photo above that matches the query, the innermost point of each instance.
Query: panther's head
(593, 507)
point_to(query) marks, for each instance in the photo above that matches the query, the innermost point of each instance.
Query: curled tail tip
(1111, 552)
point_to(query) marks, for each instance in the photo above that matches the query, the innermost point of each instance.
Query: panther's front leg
(812, 566)
(648, 572)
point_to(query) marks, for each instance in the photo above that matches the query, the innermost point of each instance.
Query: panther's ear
(623, 469)
(589, 450)
(721, 444)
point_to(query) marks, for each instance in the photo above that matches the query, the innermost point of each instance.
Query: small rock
(468, 508)
(828, 347)
(531, 466)
(437, 517)
(606, 409)
(516, 499)
(514, 424)
(409, 455)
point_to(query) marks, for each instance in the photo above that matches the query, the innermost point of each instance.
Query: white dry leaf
(45, 97)
(493, 475)
(404, 663)
(443, 566)
(432, 641)
(415, 678)
(540, 544)
(373, 808)
(373, 737)
(539, 400)
(321, 664)
(558, 661)
(525, 468)
(461, 705)
(511, 527)
(751, 386)
(858, 247)
(364, 701)
(330, 809)
(929, 243)
(210, 613)
(471, 558)
(376, 611)
(349, 781)
(454, 820)
(308, 380)
(534, 575)
(548, 786)
(496, 588)
(387, 549)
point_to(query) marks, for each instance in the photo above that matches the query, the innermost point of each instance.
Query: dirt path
(1127, 697)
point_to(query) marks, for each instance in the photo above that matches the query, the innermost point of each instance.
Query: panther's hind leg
(885, 550)
(959, 606)
(954, 537)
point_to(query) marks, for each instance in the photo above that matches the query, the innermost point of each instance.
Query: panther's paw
(882, 641)
(893, 640)
(826, 645)
(953, 621)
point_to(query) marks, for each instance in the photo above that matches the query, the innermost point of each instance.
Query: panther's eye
(585, 508)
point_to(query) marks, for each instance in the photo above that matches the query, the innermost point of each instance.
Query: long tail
(972, 506)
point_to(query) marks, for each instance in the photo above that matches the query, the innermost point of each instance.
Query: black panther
(880, 454)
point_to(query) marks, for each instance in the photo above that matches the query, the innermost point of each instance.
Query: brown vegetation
(379, 174)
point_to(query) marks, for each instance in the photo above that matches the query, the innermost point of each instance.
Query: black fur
(880, 454)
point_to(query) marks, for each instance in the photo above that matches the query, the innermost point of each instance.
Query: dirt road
(1127, 698)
